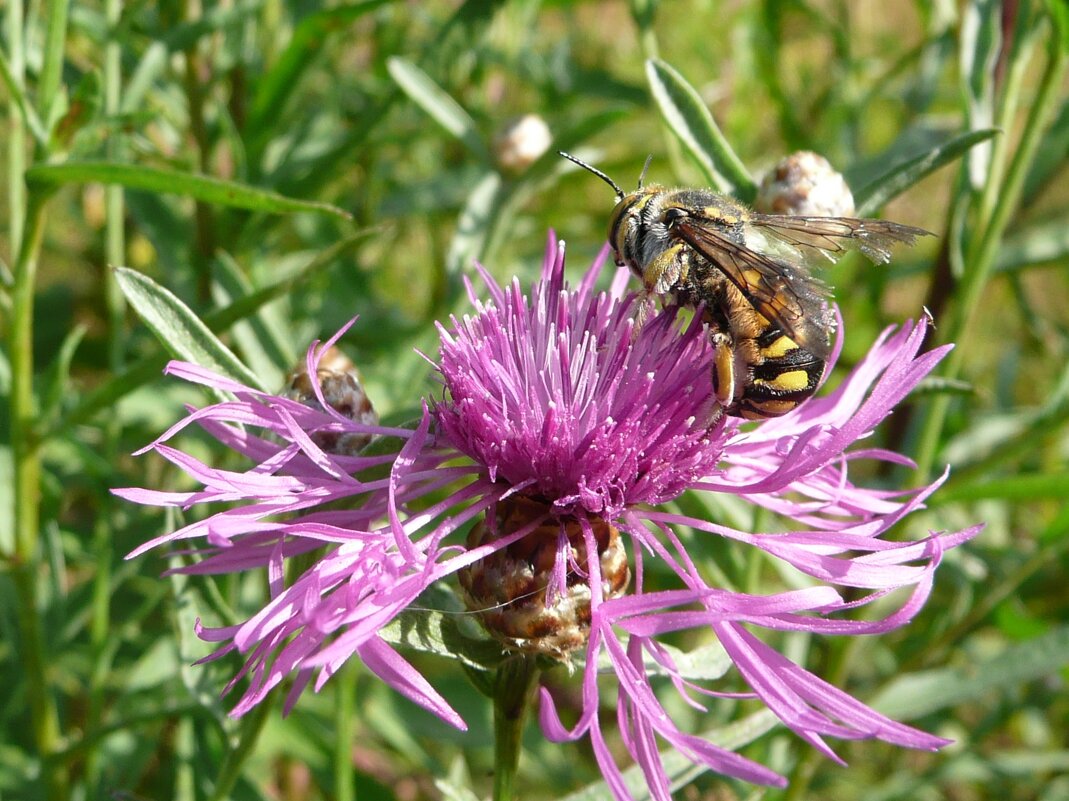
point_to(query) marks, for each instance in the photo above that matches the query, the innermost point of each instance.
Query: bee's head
(623, 224)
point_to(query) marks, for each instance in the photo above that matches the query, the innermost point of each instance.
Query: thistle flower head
(560, 439)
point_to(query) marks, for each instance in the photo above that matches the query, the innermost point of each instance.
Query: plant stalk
(513, 692)
(110, 516)
(981, 256)
(345, 733)
(16, 143)
(26, 454)
(248, 735)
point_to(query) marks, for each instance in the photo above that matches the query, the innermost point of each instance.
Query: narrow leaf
(690, 120)
(1042, 243)
(917, 694)
(246, 305)
(1050, 156)
(180, 330)
(59, 372)
(266, 351)
(905, 174)
(154, 179)
(704, 663)
(439, 104)
(148, 368)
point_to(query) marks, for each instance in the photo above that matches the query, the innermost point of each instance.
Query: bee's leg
(724, 370)
(665, 271)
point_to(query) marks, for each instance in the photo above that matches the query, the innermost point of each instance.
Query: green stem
(513, 690)
(27, 466)
(52, 66)
(248, 735)
(204, 246)
(28, 215)
(16, 144)
(103, 533)
(981, 257)
(345, 733)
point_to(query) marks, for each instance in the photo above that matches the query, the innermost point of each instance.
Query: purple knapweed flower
(562, 434)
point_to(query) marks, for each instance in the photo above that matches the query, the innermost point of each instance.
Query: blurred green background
(364, 146)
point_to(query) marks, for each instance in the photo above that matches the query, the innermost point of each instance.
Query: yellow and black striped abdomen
(784, 375)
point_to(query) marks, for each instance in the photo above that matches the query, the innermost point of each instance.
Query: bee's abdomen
(785, 376)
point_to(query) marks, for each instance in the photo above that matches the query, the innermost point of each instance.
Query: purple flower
(576, 429)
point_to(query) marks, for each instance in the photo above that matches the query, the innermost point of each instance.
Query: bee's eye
(673, 215)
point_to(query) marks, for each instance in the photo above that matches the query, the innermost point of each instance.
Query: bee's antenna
(619, 192)
(645, 167)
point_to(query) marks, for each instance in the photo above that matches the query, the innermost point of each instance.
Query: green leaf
(180, 331)
(266, 353)
(1059, 14)
(148, 369)
(434, 628)
(154, 179)
(189, 607)
(690, 120)
(454, 792)
(149, 67)
(1050, 156)
(439, 104)
(917, 694)
(938, 385)
(247, 305)
(905, 174)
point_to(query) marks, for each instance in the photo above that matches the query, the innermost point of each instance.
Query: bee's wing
(782, 291)
(832, 236)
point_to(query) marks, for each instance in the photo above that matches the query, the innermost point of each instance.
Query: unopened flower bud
(522, 142)
(805, 184)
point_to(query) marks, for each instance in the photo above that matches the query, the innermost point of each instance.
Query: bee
(750, 273)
